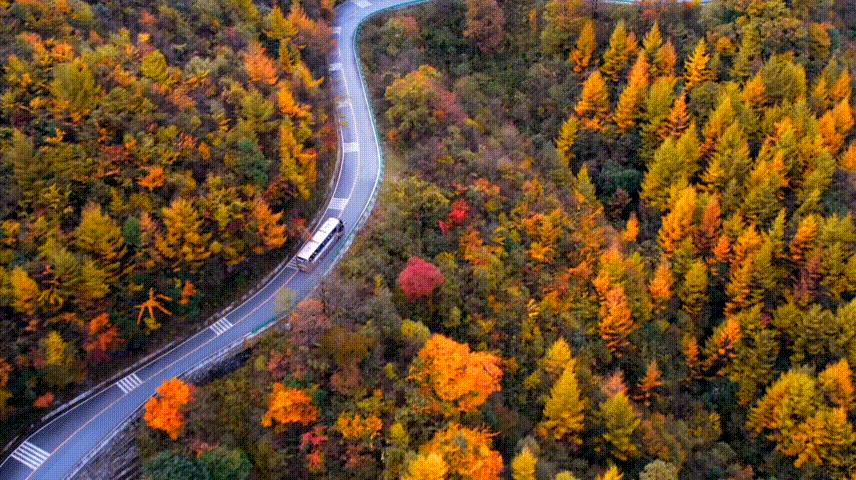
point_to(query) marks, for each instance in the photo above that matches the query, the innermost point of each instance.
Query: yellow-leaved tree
(564, 412)
(593, 105)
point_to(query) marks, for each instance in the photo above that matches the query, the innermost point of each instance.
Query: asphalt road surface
(55, 451)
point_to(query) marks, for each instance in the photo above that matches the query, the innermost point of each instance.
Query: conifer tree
(721, 118)
(679, 224)
(586, 45)
(649, 383)
(567, 139)
(616, 320)
(616, 55)
(101, 237)
(750, 51)
(629, 106)
(697, 67)
(836, 381)
(523, 465)
(278, 26)
(563, 418)
(185, 242)
(620, 421)
(827, 438)
(694, 291)
(651, 44)
(593, 105)
(678, 120)
(661, 286)
(658, 104)
(557, 358)
(755, 354)
(666, 60)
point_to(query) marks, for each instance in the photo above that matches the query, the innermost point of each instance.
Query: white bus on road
(318, 246)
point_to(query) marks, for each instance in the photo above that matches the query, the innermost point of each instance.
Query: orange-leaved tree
(268, 227)
(289, 405)
(586, 45)
(467, 452)
(150, 306)
(616, 320)
(165, 411)
(260, 67)
(697, 68)
(104, 338)
(456, 375)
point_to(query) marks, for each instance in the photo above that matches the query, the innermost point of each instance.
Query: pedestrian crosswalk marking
(221, 326)
(338, 203)
(129, 383)
(30, 455)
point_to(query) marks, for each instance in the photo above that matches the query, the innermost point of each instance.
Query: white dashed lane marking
(350, 147)
(335, 66)
(362, 3)
(129, 383)
(30, 455)
(221, 326)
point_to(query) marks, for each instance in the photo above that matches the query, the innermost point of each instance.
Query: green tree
(620, 421)
(169, 466)
(62, 366)
(101, 237)
(74, 89)
(412, 104)
(227, 464)
(561, 23)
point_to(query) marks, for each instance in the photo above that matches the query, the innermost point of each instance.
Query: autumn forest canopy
(155, 158)
(614, 242)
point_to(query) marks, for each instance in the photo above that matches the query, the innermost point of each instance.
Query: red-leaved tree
(419, 279)
(456, 218)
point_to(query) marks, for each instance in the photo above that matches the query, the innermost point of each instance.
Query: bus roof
(325, 230)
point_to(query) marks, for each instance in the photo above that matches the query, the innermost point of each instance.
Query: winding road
(59, 448)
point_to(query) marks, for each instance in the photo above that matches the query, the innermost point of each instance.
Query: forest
(613, 243)
(155, 158)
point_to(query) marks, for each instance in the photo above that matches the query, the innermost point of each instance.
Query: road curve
(56, 450)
